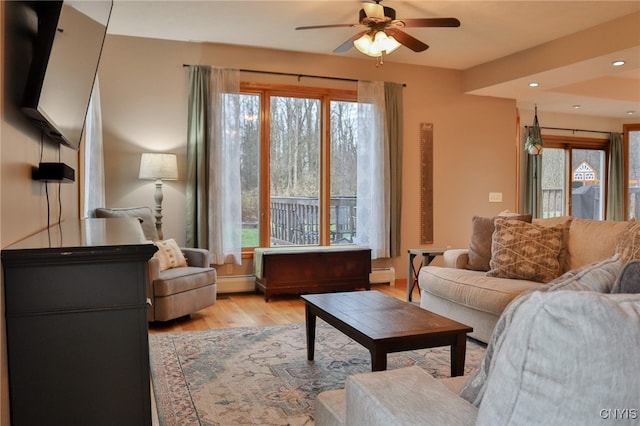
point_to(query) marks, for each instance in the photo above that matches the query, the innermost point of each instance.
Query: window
(632, 148)
(574, 177)
(298, 166)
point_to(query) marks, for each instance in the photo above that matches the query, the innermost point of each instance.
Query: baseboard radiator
(246, 283)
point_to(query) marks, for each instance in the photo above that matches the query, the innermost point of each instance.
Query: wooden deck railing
(296, 220)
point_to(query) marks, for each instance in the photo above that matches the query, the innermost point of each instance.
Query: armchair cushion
(179, 280)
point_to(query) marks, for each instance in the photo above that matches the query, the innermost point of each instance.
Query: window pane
(553, 182)
(343, 171)
(587, 197)
(249, 160)
(634, 174)
(294, 170)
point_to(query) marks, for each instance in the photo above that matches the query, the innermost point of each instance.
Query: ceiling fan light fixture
(377, 45)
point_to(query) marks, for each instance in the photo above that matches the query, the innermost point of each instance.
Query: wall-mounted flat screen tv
(66, 54)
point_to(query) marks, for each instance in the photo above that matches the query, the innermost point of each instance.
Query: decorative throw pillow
(598, 276)
(565, 222)
(628, 245)
(169, 255)
(480, 244)
(525, 251)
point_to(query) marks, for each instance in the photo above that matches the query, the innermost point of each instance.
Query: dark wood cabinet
(311, 270)
(75, 308)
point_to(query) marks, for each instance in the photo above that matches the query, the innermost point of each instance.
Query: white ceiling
(490, 31)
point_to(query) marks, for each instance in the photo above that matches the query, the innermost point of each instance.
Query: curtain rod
(298, 75)
(571, 130)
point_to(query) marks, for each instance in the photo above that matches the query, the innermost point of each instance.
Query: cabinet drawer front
(71, 287)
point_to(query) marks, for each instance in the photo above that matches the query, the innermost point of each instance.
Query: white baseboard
(383, 275)
(236, 283)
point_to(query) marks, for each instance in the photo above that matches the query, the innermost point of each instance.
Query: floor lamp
(158, 167)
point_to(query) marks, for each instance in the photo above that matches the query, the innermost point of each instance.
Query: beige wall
(143, 89)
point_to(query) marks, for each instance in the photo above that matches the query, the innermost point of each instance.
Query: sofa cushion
(399, 397)
(480, 244)
(525, 251)
(169, 255)
(566, 344)
(592, 240)
(473, 288)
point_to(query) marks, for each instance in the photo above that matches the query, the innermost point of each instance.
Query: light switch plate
(495, 197)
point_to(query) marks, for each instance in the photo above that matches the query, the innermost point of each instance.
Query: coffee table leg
(378, 360)
(458, 351)
(310, 320)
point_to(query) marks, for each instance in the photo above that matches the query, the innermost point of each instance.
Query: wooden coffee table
(384, 324)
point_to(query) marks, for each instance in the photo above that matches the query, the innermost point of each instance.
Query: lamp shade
(158, 166)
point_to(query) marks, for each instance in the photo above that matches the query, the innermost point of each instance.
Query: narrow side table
(428, 255)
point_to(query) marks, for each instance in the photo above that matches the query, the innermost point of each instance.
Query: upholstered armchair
(177, 291)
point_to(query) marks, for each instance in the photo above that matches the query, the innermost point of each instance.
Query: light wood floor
(249, 309)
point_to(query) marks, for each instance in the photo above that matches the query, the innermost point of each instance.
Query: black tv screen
(66, 54)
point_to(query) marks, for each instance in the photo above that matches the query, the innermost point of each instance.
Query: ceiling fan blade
(407, 40)
(430, 22)
(373, 10)
(313, 27)
(349, 43)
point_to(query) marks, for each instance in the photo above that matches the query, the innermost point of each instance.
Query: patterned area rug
(261, 376)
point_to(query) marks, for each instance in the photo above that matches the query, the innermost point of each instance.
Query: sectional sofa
(476, 284)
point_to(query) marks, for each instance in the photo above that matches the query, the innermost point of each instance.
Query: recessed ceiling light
(576, 106)
(630, 112)
(617, 63)
(534, 84)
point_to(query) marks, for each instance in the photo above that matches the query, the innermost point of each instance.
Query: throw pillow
(169, 255)
(598, 276)
(628, 245)
(565, 354)
(525, 251)
(629, 279)
(480, 244)
(565, 222)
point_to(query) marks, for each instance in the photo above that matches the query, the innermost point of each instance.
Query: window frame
(568, 143)
(325, 95)
(626, 128)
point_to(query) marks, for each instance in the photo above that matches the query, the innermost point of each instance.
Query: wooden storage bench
(298, 270)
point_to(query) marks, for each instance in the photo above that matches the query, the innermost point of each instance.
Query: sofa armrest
(456, 258)
(406, 396)
(197, 257)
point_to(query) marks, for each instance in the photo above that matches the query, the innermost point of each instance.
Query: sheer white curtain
(225, 208)
(373, 193)
(93, 191)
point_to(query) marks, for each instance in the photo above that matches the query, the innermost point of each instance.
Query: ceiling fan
(382, 32)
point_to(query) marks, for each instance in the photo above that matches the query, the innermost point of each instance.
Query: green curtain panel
(394, 112)
(615, 181)
(197, 149)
